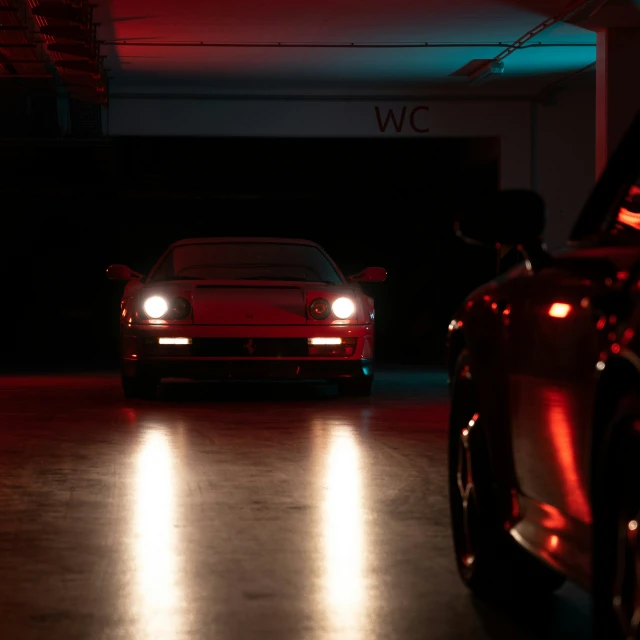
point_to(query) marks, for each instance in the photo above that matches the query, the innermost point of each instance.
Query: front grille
(249, 348)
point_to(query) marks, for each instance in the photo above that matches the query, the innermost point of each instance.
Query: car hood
(247, 302)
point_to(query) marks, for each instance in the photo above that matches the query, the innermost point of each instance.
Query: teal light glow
(540, 61)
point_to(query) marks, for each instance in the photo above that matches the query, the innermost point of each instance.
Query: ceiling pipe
(244, 97)
(575, 7)
(332, 45)
(570, 10)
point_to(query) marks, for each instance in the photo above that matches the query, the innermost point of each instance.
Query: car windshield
(246, 261)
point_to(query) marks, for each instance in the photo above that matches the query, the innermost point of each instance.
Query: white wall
(333, 118)
(559, 163)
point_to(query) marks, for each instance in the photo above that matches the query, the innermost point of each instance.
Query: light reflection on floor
(238, 514)
(158, 597)
(344, 535)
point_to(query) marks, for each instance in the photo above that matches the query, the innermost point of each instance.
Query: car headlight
(155, 307)
(180, 308)
(343, 308)
(320, 309)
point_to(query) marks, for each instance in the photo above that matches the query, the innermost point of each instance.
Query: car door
(555, 347)
(560, 325)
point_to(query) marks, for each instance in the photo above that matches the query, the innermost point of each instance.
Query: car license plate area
(249, 348)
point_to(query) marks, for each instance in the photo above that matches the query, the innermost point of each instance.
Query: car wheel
(142, 387)
(356, 387)
(616, 546)
(490, 562)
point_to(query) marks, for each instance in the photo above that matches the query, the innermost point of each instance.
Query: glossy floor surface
(234, 512)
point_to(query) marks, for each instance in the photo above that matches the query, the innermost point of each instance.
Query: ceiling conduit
(334, 45)
(484, 68)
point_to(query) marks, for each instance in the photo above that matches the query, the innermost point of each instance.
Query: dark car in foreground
(544, 364)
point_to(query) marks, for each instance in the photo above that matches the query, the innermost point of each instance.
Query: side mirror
(122, 273)
(370, 274)
(509, 217)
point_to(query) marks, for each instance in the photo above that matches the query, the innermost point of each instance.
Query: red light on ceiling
(559, 310)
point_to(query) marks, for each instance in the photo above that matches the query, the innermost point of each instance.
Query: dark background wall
(383, 203)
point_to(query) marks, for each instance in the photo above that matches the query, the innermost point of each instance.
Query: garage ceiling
(457, 32)
(292, 47)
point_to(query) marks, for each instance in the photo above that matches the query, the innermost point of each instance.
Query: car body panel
(219, 304)
(539, 341)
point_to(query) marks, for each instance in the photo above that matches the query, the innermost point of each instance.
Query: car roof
(246, 239)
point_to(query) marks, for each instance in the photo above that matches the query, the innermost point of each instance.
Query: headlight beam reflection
(344, 535)
(158, 597)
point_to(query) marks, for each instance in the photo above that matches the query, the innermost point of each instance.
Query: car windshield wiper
(285, 279)
(176, 278)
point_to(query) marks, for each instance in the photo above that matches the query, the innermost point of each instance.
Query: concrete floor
(234, 512)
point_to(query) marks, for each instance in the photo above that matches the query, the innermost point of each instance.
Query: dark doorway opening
(369, 202)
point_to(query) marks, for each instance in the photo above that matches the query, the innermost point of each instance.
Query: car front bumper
(245, 352)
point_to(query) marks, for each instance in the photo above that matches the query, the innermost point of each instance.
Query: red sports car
(252, 308)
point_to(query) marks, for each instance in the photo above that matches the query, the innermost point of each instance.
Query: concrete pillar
(617, 88)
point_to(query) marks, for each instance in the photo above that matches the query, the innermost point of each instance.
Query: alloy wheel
(626, 580)
(467, 493)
